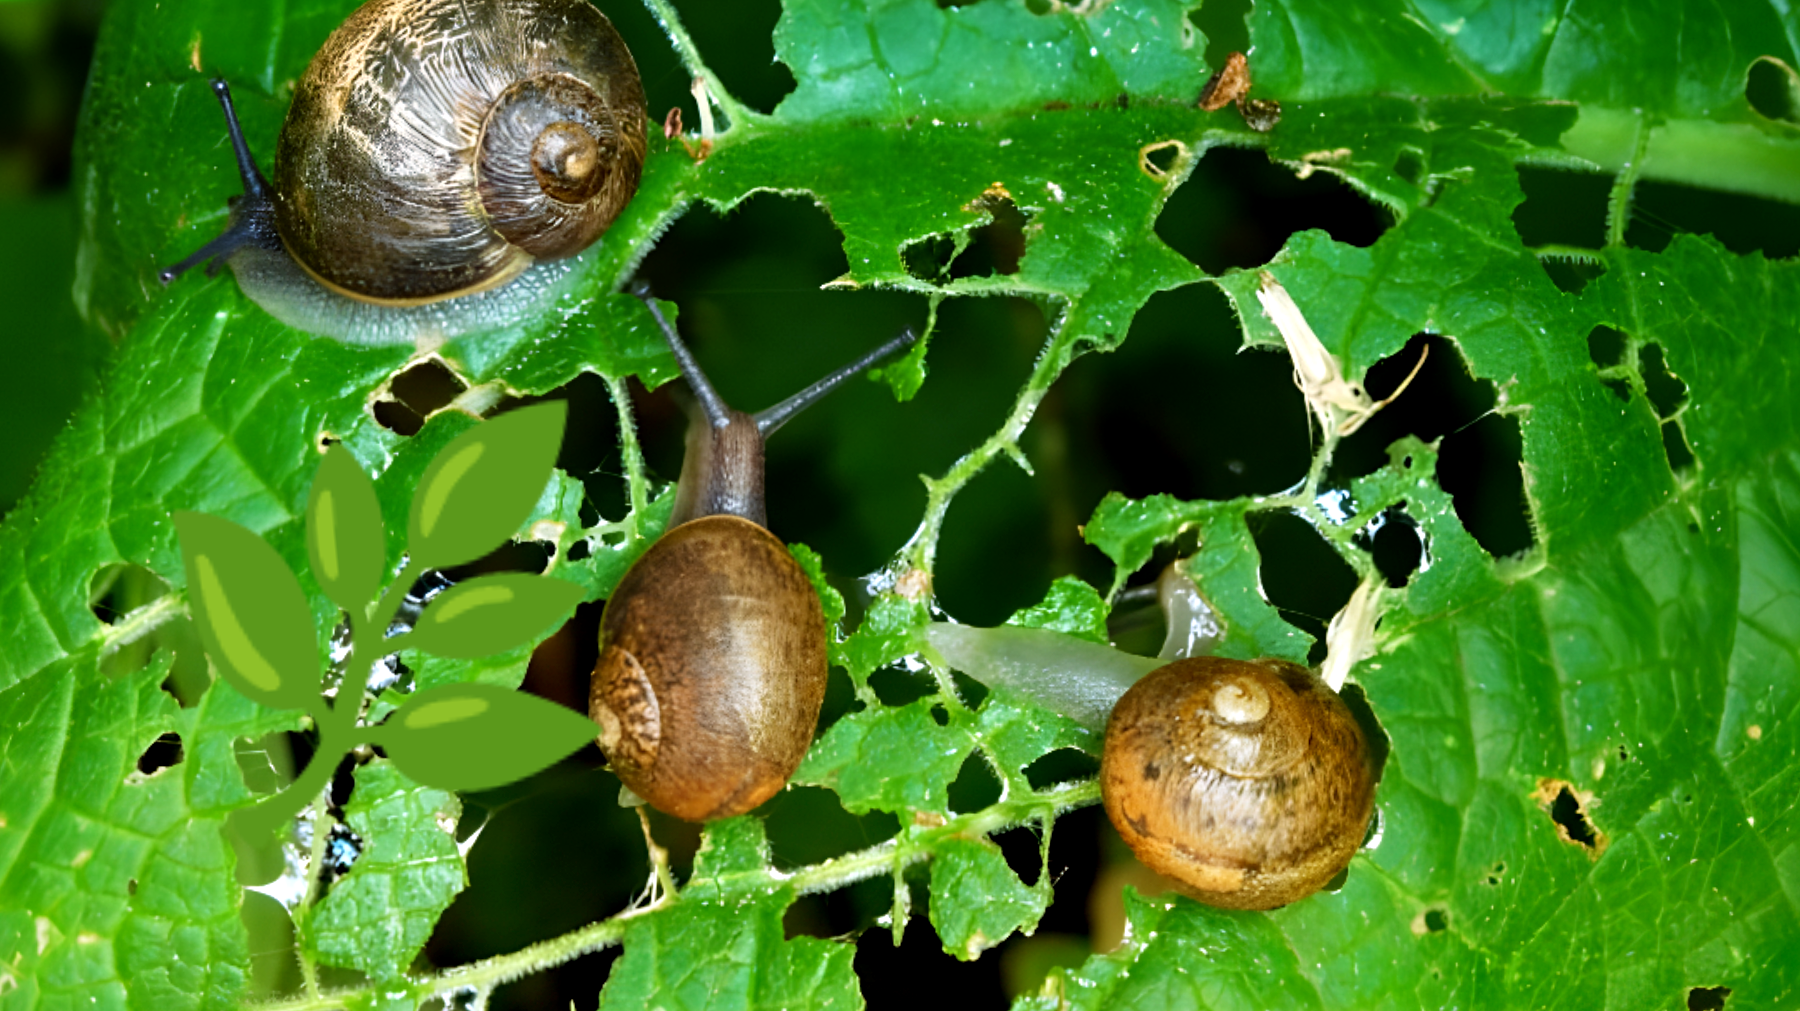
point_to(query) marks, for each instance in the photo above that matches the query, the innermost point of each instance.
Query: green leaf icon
(475, 737)
(251, 611)
(479, 489)
(344, 532)
(491, 614)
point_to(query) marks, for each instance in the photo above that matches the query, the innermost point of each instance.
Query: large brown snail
(712, 648)
(1248, 782)
(440, 162)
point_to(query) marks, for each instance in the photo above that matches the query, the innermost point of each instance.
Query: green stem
(921, 551)
(636, 482)
(1618, 202)
(910, 847)
(735, 112)
(1735, 157)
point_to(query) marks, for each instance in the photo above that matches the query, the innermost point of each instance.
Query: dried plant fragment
(1229, 84)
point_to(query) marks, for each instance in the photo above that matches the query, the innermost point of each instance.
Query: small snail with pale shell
(440, 163)
(1248, 782)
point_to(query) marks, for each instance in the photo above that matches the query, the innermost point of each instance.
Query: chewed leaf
(492, 614)
(251, 611)
(475, 737)
(481, 487)
(1070, 606)
(976, 899)
(344, 532)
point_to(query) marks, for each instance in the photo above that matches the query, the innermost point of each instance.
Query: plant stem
(736, 112)
(910, 847)
(1618, 202)
(636, 483)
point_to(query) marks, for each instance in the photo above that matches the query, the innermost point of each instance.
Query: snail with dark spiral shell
(436, 156)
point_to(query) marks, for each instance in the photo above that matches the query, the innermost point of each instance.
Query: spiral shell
(437, 148)
(712, 669)
(1248, 782)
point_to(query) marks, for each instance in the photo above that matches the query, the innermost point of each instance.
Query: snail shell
(437, 147)
(1248, 782)
(713, 669)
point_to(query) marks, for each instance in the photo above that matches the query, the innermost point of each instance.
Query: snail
(440, 163)
(712, 648)
(1248, 782)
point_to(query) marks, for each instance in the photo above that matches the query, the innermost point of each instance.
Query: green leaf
(1179, 953)
(1071, 606)
(705, 954)
(378, 917)
(976, 899)
(889, 759)
(344, 533)
(480, 488)
(251, 612)
(491, 614)
(476, 737)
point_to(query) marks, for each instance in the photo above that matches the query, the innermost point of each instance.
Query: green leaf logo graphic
(492, 614)
(344, 532)
(251, 612)
(480, 488)
(474, 737)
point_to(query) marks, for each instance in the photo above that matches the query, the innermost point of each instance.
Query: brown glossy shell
(1248, 782)
(439, 147)
(712, 669)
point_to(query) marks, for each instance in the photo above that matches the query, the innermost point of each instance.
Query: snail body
(712, 649)
(435, 153)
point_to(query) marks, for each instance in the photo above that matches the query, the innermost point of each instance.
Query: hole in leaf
(578, 551)
(1562, 208)
(975, 786)
(342, 848)
(929, 258)
(117, 590)
(1675, 446)
(971, 691)
(1063, 765)
(1022, 848)
(1238, 209)
(998, 246)
(397, 417)
(1357, 701)
(749, 286)
(896, 687)
(1301, 576)
(1773, 89)
(1494, 875)
(1606, 347)
(1395, 543)
(427, 387)
(1743, 224)
(163, 752)
(1226, 27)
(1480, 467)
(1707, 998)
(1430, 921)
(1162, 157)
(267, 762)
(1568, 809)
(1571, 273)
(1441, 399)
(808, 824)
(1619, 387)
(1167, 412)
(1666, 391)
(1410, 165)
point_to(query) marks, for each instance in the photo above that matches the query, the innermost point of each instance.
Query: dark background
(1177, 409)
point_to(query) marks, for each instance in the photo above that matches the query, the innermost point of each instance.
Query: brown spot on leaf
(1568, 809)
